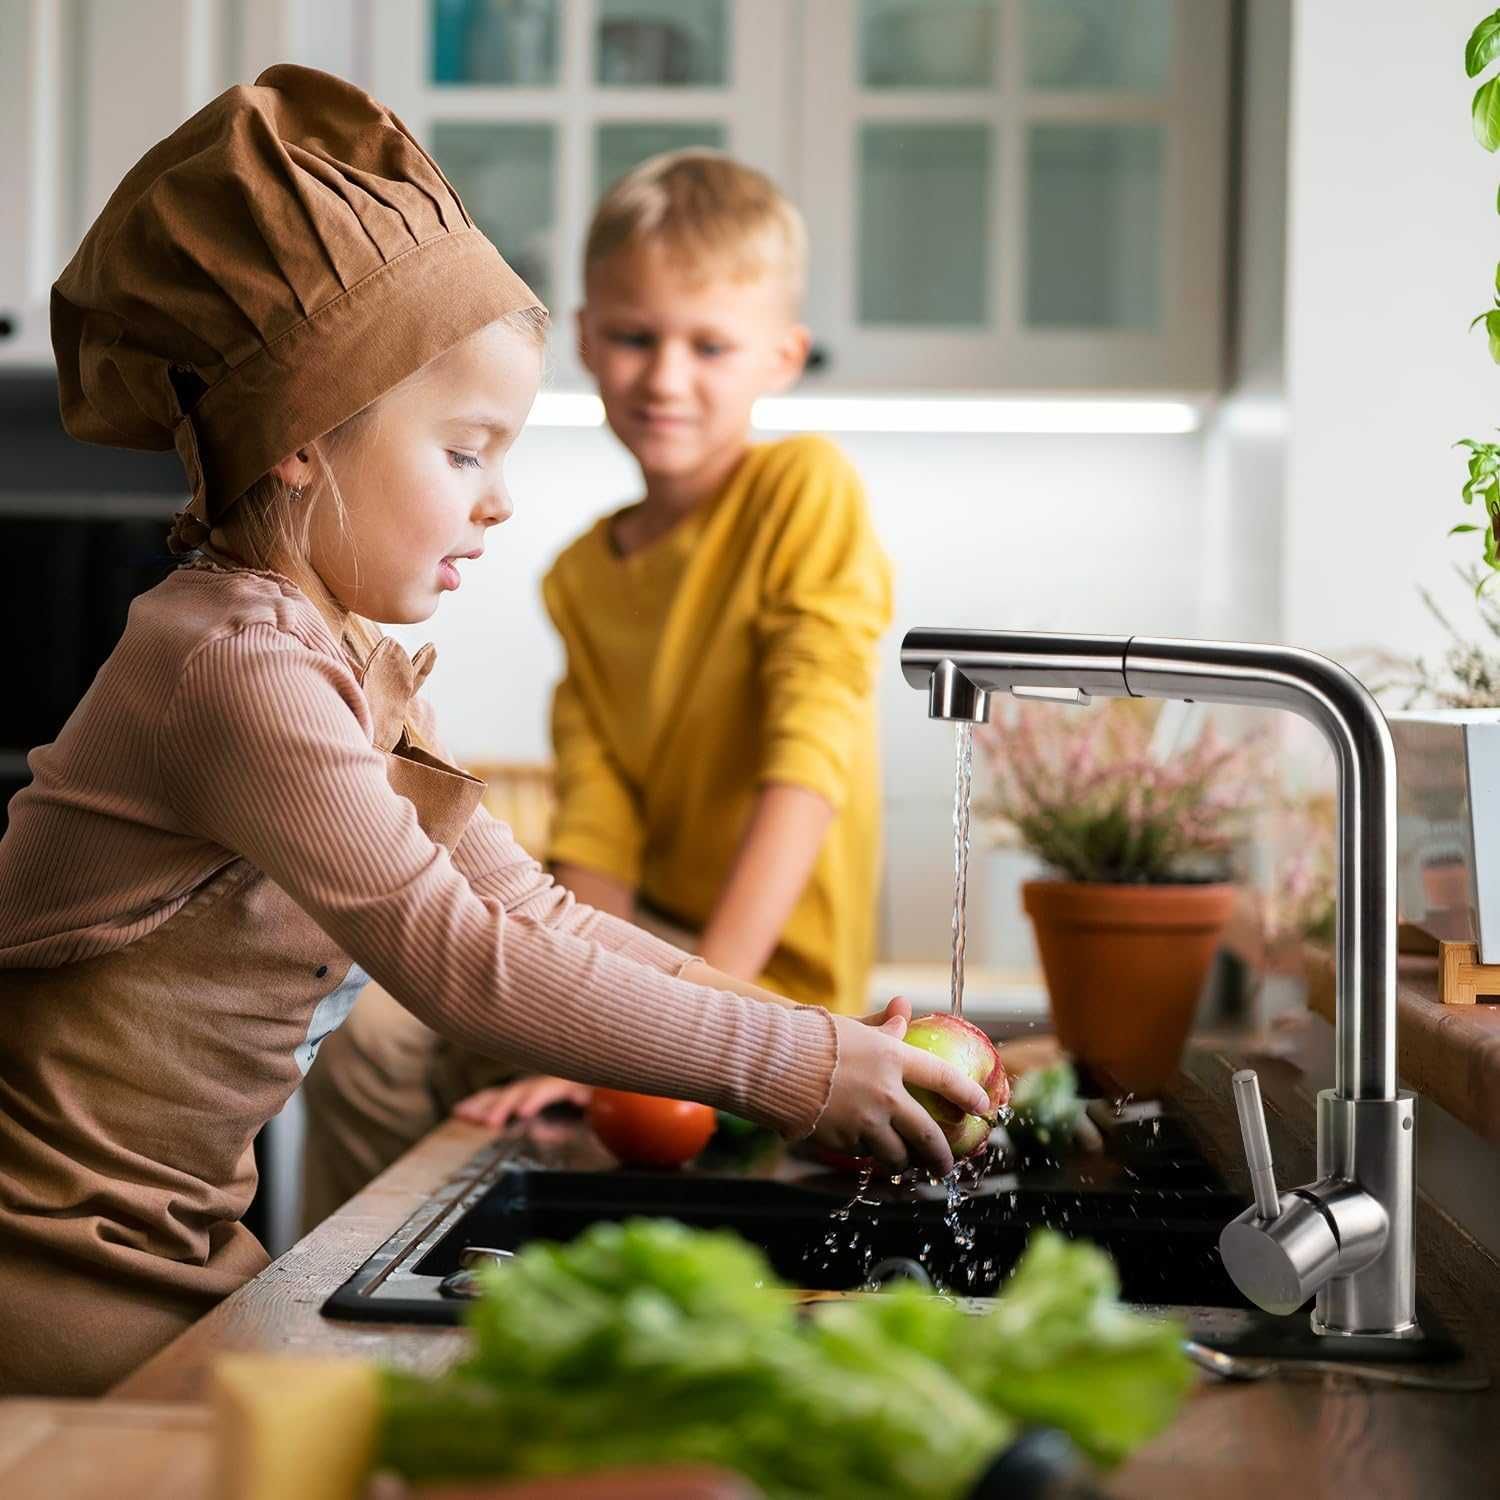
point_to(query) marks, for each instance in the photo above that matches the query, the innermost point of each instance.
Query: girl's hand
(870, 1112)
(522, 1100)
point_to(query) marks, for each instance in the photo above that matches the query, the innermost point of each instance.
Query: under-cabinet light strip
(921, 414)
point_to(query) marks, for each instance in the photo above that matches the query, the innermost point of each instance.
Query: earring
(297, 491)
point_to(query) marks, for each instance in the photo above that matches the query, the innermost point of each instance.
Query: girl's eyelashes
(461, 460)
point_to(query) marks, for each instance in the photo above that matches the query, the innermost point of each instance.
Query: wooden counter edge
(1449, 1053)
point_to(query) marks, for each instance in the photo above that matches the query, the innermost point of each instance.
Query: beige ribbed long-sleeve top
(229, 724)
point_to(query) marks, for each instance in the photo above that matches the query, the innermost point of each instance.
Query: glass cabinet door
(1000, 194)
(506, 175)
(619, 147)
(513, 43)
(534, 107)
(662, 43)
(1094, 226)
(1099, 44)
(928, 44)
(912, 178)
(1016, 193)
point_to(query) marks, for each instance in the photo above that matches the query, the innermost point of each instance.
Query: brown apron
(132, 1086)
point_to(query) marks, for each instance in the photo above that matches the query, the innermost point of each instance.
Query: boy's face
(680, 359)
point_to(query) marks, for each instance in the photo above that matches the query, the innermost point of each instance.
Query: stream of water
(962, 793)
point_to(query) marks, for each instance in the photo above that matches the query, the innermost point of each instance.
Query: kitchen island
(1307, 1437)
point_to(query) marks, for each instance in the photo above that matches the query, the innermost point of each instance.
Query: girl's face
(422, 478)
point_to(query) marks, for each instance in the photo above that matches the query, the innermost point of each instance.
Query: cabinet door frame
(755, 106)
(1183, 357)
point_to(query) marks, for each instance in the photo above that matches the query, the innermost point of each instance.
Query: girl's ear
(295, 470)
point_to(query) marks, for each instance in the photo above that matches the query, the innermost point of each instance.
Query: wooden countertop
(1449, 1053)
(1309, 1438)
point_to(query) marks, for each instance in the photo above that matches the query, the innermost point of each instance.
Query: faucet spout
(1365, 1130)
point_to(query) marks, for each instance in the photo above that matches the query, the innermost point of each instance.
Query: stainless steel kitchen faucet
(1346, 1238)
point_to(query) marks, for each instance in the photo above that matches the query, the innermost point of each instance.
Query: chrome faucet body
(1346, 1238)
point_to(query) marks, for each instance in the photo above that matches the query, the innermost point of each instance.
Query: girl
(247, 815)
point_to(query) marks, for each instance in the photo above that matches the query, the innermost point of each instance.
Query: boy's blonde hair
(709, 212)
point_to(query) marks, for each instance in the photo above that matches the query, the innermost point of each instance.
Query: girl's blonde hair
(270, 525)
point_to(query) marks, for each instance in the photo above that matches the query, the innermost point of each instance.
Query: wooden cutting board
(58, 1450)
(137, 1450)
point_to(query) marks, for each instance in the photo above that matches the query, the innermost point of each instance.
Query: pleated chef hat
(269, 269)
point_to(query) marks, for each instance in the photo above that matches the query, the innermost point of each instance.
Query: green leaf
(1484, 45)
(1058, 1349)
(647, 1342)
(1045, 1103)
(1462, 526)
(1491, 321)
(1486, 114)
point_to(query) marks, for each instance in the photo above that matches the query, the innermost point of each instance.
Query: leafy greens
(647, 1342)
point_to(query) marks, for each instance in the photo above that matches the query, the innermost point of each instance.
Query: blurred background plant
(1125, 792)
(1468, 673)
(1299, 832)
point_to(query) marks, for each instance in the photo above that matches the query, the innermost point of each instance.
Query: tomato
(842, 1163)
(644, 1131)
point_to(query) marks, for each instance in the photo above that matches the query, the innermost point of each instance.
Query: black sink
(1149, 1199)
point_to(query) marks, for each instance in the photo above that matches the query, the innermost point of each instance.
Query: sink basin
(1149, 1199)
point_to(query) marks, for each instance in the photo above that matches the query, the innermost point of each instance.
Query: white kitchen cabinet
(1017, 194)
(1002, 195)
(533, 107)
(33, 186)
(88, 86)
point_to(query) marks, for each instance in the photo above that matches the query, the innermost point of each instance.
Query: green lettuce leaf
(647, 1342)
(1044, 1103)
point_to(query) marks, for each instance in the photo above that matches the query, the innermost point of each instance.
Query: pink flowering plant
(1088, 792)
(1300, 833)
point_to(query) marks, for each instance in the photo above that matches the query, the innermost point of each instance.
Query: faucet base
(1372, 1143)
(1412, 1330)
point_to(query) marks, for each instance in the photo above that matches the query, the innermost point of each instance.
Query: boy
(714, 732)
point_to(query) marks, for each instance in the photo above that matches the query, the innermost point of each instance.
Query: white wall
(1245, 451)
(1393, 239)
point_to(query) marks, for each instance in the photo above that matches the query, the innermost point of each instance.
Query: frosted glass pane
(647, 43)
(505, 175)
(924, 223)
(510, 42)
(618, 148)
(1099, 44)
(927, 44)
(1093, 225)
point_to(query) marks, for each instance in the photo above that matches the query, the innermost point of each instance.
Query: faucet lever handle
(1257, 1143)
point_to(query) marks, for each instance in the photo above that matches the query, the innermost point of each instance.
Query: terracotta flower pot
(1125, 965)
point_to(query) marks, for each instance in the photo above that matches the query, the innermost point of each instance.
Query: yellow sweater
(736, 650)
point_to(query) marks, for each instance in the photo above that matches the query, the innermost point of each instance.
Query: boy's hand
(870, 1112)
(523, 1100)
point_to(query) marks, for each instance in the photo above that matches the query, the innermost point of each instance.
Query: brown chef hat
(268, 270)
